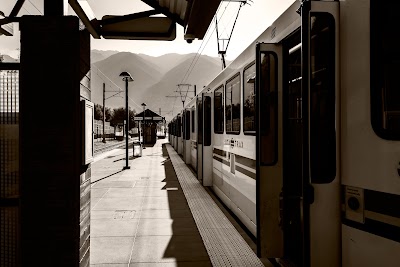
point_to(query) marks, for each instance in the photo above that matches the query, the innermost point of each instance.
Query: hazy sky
(252, 21)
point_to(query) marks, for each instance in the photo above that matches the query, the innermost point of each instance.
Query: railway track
(106, 148)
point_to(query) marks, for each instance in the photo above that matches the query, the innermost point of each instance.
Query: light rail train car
(300, 135)
(119, 131)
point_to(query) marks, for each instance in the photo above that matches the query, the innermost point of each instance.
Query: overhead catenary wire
(35, 7)
(26, 10)
(196, 58)
(198, 53)
(121, 90)
(107, 78)
(223, 47)
(187, 74)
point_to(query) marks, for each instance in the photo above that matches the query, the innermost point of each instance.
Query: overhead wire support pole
(222, 53)
(234, 23)
(223, 48)
(183, 94)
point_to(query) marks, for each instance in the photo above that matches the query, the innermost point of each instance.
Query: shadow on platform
(185, 244)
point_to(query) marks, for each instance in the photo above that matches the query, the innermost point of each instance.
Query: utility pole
(104, 112)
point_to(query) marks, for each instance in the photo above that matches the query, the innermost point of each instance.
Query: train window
(322, 98)
(269, 108)
(385, 66)
(249, 99)
(187, 125)
(218, 110)
(193, 121)
(199, 121)
(232, 105)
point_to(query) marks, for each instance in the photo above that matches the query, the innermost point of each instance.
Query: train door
(176, 134)
(173, 133)
(320, 29)
(199, 109)
(305, 158)
(186, 137)
(183, 135)
(180, 136)
(193, 139)
(207, 142)
(177, 130)
(269, 180)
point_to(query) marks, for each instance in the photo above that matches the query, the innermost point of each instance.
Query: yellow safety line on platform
(224, 245)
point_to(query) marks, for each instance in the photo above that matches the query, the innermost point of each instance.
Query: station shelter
(149, 121)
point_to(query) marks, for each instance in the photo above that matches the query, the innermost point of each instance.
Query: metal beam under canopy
(194, 15)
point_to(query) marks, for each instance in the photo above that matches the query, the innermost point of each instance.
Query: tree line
(114, 116)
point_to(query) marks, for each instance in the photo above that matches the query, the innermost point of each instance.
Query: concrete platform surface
(139, 216)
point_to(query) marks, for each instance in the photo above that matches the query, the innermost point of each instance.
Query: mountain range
(155, 82)
(155, 79)
(7, 58)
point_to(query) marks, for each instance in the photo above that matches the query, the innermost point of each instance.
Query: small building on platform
(149, 122)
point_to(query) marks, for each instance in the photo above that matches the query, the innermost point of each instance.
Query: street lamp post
(127, 78)
(144, 125)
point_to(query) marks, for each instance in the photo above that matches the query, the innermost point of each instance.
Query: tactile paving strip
(224, 245)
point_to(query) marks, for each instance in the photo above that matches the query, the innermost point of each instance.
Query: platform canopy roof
(194, 15)
(149, 116)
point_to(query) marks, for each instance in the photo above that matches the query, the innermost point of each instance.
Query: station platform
(157, 214)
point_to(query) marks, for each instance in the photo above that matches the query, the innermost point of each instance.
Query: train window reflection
(218, 110)
(207, 120)
(193, 121)
(269, 108)
(385, 68)
(322, 98)
(249, 100)
(232, 105)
